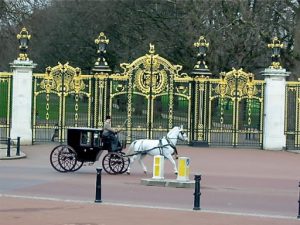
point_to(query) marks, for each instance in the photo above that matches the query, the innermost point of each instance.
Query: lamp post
(102, 42)
(200, 74)
(23, 38)
(276, 47)
(101, 64)
(201, 68)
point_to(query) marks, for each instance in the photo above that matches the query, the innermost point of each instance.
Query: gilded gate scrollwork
(239, 99)
(153, 90)
(149, 97)
(62, 98)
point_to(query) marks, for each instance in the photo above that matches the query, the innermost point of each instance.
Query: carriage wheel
(106, 164)
(116, 162)
(54, 158)
(126, 163)
(68, 159)
(77, 166)
(63, 159)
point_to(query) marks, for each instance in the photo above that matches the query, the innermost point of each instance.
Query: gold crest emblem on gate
(155, 82)
(151, 78)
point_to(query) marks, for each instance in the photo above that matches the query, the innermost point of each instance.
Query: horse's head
(182, 135)
(177, 133)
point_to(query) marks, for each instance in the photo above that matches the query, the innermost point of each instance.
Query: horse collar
(172, 145)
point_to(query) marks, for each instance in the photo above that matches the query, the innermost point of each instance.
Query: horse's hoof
(128, 173)
(176, 173)
(145, 172)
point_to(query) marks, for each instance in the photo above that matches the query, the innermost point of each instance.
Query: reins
(160, 147)
(146, 151)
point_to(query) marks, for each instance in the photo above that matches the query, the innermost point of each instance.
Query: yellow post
(158, 167)
(183, 169)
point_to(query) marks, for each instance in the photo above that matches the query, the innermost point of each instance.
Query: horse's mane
(173, 129)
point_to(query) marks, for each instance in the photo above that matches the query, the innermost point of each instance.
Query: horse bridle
(172, 146)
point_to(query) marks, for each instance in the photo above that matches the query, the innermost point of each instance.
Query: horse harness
(160, 147)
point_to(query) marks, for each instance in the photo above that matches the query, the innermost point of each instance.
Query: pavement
(238, 186)
(13, 153)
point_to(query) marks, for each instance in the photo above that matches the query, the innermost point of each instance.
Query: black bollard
(18, 146)
(197, 193)
(98, 186)
(8, 147)
(298, 217)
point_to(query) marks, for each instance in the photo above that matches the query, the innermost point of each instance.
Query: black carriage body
(87, 143)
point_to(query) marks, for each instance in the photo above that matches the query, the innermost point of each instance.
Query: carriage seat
(107, 144)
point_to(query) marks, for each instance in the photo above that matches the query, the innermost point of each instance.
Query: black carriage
(84, 147)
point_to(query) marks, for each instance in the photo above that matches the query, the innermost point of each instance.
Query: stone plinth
(22, 101)
(168, 183)
(274, 109)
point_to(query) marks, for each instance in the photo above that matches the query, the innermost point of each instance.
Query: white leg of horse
(169, 157)
(131, 160)
(142, 163)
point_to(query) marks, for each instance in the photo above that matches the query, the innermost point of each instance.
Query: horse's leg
(131, 160)
(142, 163)
(169, 157)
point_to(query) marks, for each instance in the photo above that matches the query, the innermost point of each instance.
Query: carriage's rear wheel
(63, 158)
(68, 159)
(54, 158)
(77, 166)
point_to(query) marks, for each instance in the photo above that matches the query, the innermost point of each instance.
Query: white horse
(165, 147)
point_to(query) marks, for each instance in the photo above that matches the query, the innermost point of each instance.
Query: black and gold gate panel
(62, 99)
(5, 104)
(154, 94)
(230, 109)
(292, 115)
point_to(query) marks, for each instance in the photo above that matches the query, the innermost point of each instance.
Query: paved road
(237, 186)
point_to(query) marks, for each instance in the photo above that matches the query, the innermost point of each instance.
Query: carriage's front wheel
(105, 164)
(126, 163)
(113, 163)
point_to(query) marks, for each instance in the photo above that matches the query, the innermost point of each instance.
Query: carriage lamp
(23, 38)
(276, 47)
(102, 42)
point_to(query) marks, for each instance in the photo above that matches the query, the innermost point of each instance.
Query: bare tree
(238, 31)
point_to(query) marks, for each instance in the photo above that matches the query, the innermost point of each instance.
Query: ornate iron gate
(5, 104)
(147, 99)
(292, 115)
(229, 110)
(150, 96)
(62, 99)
